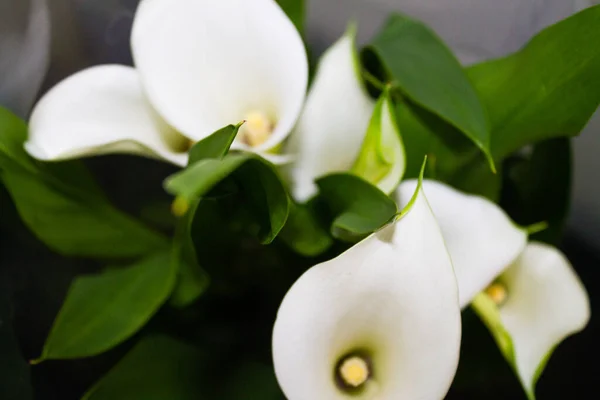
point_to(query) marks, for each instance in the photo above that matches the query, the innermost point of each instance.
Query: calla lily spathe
(481, 238)
(199, 65)
(544, 302)
(334, 121)
(389, 303)
(527, 294)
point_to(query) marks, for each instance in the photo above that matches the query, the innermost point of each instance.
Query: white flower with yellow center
(527, 294)
(199, 65)
(532, 307)
(380, 321)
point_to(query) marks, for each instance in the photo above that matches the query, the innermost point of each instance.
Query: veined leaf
(62, 205)
(357, 207)
(257, 180)
(549, 89)
(417, 62)
(214, 146)
(103, 310)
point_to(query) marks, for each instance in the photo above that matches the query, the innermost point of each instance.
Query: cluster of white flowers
(382, 320)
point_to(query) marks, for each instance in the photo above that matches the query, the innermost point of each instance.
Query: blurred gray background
(86, 32)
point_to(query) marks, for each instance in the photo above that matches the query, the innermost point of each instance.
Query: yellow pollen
(354, 371)
(497, 293)
(257, 128)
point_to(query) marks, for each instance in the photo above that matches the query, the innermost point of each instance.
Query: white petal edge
(546, 303)
(25, 52)
(393, 294)
(334, 121)
(101, 110)
(480, 237)
(206, 63)
(382, 148)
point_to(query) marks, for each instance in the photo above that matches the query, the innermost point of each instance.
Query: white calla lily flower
(334, 121)
(380, 321)
(481, 238)
(199, 65)
(533, 306)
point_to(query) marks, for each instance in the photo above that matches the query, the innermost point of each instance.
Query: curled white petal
(393, 296)
(481, 239)
(101, 110)
(206, 64)
(334, 121)
(546, 302)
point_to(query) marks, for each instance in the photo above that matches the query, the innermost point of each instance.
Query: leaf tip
(490, 159)
(37, 361)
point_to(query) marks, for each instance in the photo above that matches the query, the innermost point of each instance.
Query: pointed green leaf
(103, 310)
(214, 146)
(452, 158)
(381, 160)
(158, 368)
(417, 62)
(62, 205)
(357, 207)
(549, 89)
(295, 10)
(256, 181)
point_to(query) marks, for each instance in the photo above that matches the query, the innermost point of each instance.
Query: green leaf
(103, 310)
(548, 89)
(214, 146)
(452, 158)
(295, 10)
(259, 187)
(192, 280)
(417, 62)
(537, 188)
(158, 368)
(358, 208)
(303, 231)
(62, 205)
(381, 160)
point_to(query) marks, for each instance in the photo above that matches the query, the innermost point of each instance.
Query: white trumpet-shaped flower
(481, 238)
(334, 121)
(380, 321)
(199, 65)
(532, 307)
(527, 294)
